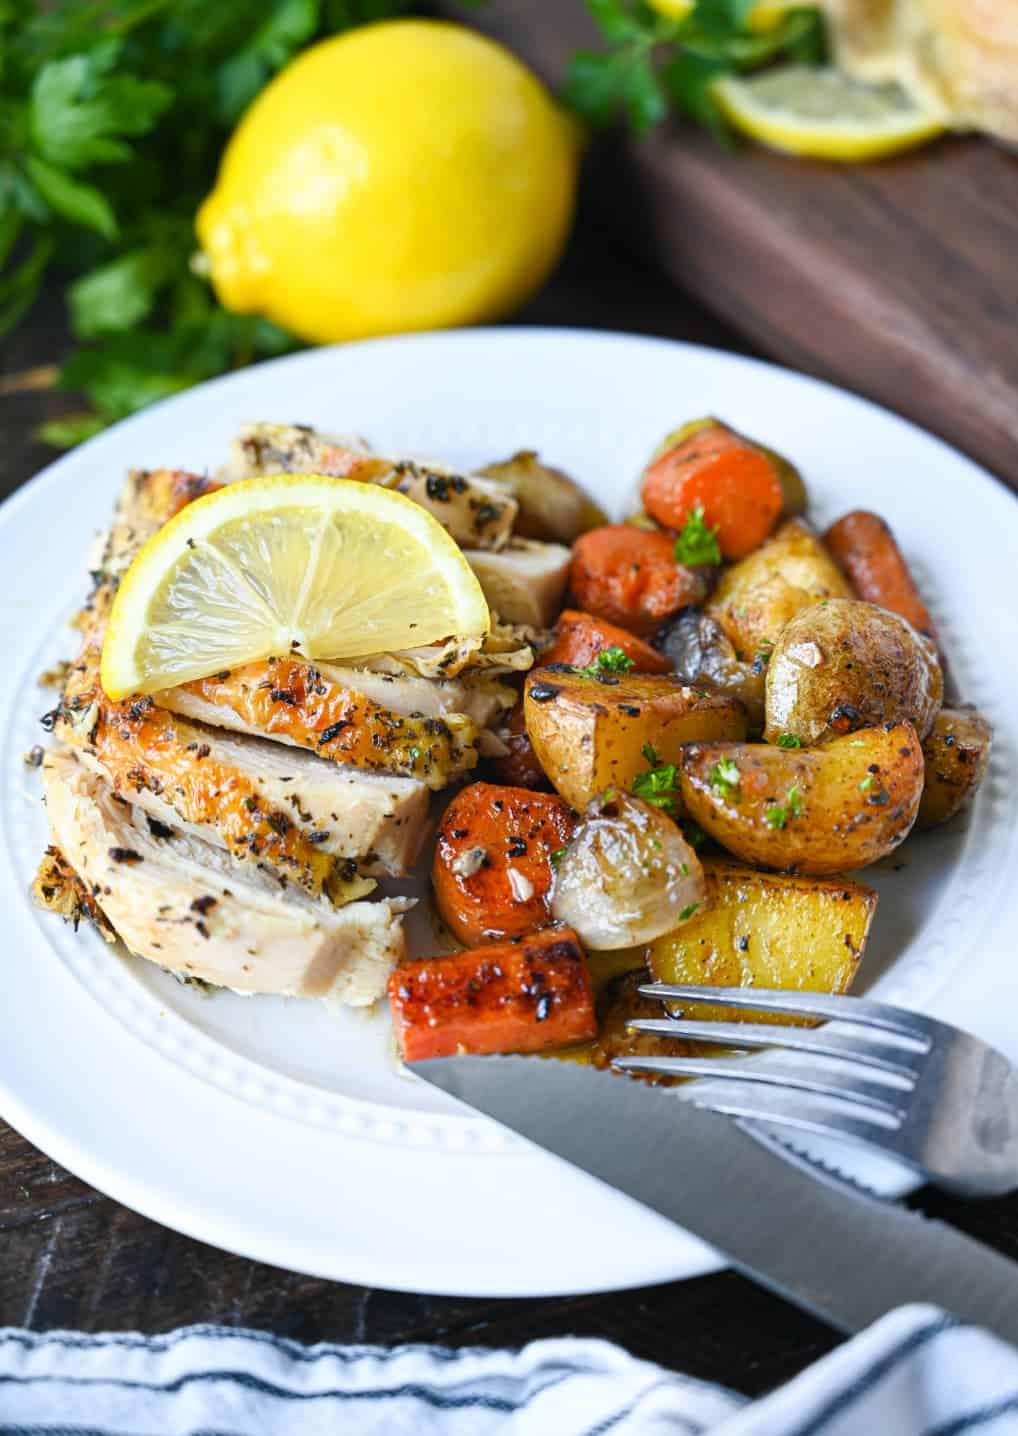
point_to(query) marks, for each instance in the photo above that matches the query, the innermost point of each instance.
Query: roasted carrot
(514, 997)
(518, 766)
(866, 549)
(630, 577)
(580, 637)
(733, 482)
(492, 871)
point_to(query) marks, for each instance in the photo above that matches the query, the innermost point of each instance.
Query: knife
(826, 1245)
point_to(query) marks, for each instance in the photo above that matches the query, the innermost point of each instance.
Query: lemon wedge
(825, 113)
(288, 564)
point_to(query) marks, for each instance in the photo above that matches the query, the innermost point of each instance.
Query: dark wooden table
(71, 1257)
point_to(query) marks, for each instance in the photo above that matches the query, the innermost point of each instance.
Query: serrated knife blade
(840, 1253)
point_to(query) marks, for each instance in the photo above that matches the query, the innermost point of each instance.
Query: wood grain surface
(897, 279)
(70, 1257)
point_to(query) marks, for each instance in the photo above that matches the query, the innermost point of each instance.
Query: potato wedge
(767, 930)
(757, 596)
(847, 664)
(589, 733)
(956, 753)
(807, 810)
(552, 506)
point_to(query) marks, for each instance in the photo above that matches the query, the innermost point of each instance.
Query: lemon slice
(825, 113)
(292, 563)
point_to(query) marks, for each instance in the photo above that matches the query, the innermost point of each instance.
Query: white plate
(281, 1130)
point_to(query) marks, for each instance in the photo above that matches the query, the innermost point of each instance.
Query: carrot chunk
(733, 482)
(866, 550)
(629, 576)
(580, 637)
(492, 871)
(514, 997)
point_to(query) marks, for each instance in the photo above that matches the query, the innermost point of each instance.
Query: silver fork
(934, 1097)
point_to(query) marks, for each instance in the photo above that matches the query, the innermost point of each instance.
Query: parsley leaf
(80, 114)
(687, 912)
(609, 660)
(788, 740)
(777, 816)
(696, 544)
(658, 786)
(651, 59)
(725, 779)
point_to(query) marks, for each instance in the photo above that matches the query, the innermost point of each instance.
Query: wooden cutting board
(898, 280)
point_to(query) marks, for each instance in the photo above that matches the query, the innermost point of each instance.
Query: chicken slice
(525, 582)
(478, 513)
(297, 703)
(58, 889)
(148, 498)
(303, 816)
(201, 913)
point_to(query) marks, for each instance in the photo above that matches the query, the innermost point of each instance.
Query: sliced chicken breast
(298, 703)
(200, 912)
(310, 820)
(148, 498)
(525, 582)
(478, 513)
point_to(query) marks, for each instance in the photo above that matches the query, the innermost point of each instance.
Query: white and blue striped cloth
(915, 1373)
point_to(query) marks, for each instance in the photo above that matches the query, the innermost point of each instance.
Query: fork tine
(879, 1096)
(802, 1004)
(803, 1111)
(860, 1047)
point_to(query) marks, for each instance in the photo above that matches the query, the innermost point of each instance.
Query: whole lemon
(410, 174)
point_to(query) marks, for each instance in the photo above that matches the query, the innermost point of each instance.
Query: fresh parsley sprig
(652, 62)
(113, 117)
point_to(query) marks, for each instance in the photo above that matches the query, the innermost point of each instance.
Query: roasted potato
(589, 733)
(703, 655)
(767, 930)
(808, 810)
(552, 506)
(756, 597)
(956, 753)
(846, 664)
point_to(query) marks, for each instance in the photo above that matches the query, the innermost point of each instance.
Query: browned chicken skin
(295, 702)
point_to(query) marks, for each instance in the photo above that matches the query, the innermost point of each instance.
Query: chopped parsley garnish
(866, 784)
(658, 786)
(609, 660)
(725, 778)
(697, 545)
(788, 740)
(684, 869)
(556, 857)
(778, 816)
(688, 911)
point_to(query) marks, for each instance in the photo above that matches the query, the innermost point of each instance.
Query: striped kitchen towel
(915, 1373)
